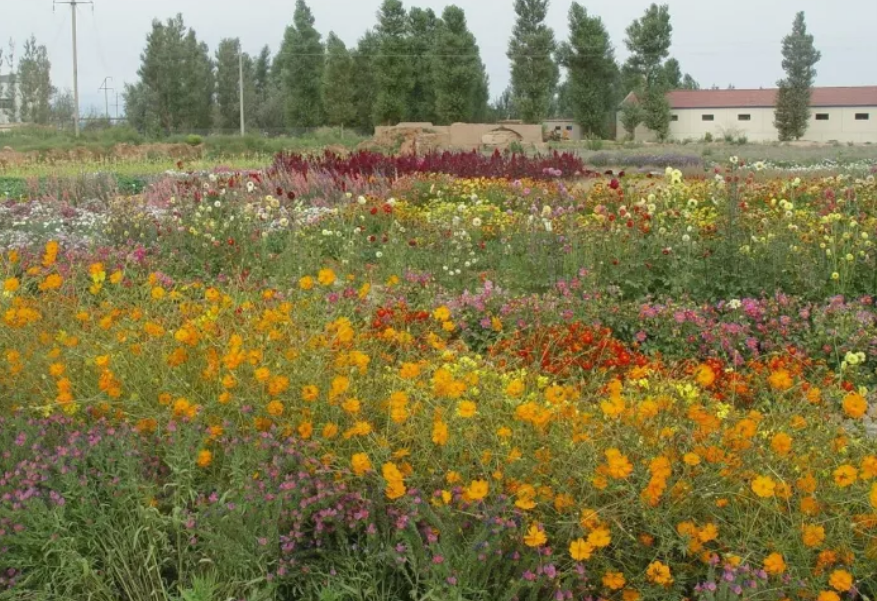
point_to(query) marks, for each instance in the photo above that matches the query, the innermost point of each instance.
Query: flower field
(449, 377)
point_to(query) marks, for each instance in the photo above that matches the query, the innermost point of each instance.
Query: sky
(718, 42)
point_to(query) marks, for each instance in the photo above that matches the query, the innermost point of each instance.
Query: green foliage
(228, 114)
(534, 72)
(793, 99)
(394, 71)
(589, 60)
(424, 27)
(656, 112)
(631, 117)
(338, 94)
(457, 69)
(364, 81)
(300, 63)
(648, 40)
(689, 83)
(35, 83)
(175, 87)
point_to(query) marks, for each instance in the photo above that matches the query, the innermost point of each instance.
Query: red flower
(614, 184)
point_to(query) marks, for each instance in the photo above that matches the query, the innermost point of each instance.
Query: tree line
(413, 65)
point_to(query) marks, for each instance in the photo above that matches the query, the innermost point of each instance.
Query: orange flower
(466, 409)
(619, 466)
(659, 573)
(326, 277)
(705, 376)
(535, 536)
(600, 538)
(774, 564)
(205, 458)
(855, 405)
(812, 535)
(780, 380)
(440, 433)
(781, 443)
(841, 580)
(275, 408)
(828, 596)
(306, 283)
(845, 475)
(310, 393)
(614, 580)
(580, 550)
(872, 498)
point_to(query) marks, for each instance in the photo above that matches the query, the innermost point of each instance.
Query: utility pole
(73, 4)
(106, 91)
(241, 86)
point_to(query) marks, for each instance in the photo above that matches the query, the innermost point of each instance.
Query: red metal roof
(766, 98)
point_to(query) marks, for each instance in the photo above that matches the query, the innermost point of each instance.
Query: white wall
(841, 126)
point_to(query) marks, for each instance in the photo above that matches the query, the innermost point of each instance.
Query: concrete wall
(470, 135)
(841, 125)
(569, 130)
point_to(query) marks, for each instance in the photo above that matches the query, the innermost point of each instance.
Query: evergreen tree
(364, 81)
(394, 70)
(176, 82)
(631, 117)
(689, 83)
(648, 40)
(35, 83)
(504, 107)
(481, 112)
(301, 62)
(534, 73)
(672, 74)
(793, 99)
(589, 60)
(262, 73)
(423, 27)
(338, 98)
(228, 86)
(459, 74)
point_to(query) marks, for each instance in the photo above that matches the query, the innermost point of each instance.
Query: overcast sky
(717, 41)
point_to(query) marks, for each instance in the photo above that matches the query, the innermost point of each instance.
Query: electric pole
(73, 4)
(241, 86)
(106, 91)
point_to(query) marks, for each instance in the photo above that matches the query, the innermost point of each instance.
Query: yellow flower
(614, 580)
(705, 376)
(841, 580)
(477, 490)
(535, 536)
(774, 564)
(11, 285)
(691, 459)
(828, 596)
(442, 314)
(872, 498)
(466, 409)
(409, 371)
(361, 464)
(600, 538)
(580, 550)
(326, 277)
(440, 433)
(306, 283)
(515, 389)
(205, 458)
(310, 393)
(780, 379)
(764, 487)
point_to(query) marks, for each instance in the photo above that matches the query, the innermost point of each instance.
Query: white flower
(686, 238)
(547, 224)
(361, 200)
(734, 304)
(546, 211)
(759, 166)
(217, 204)
(476, 222)
(734, 160)
(379, 254)
(212, 177)
(692, 203)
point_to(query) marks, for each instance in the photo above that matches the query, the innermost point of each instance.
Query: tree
(481, 100)
(393, 69)
(531, 50)
(504, 107)
(364, 80)
(589, 60)
(672, 74)
(793, 98)
(176, 82)
(262, 73)
(459, 74)
(423, 27)
(689, 83)
(35, 83)
(301, 62)
(631, 117)
(228, 103)
(648, 40)
(338, 94)
(63, 109)
(8, 85)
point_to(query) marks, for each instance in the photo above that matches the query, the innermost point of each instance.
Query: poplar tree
(459, 74)
(393, 68)
(35, 83)
(338, 93)
(793, 98)
(300, 67)
(534, 73)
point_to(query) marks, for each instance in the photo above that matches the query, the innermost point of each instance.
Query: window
(744, 117)
(6, 104)
(708, 117)
(556, 128)
(822, 116)
(569, 128)
(862, 116)
(674, 117)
